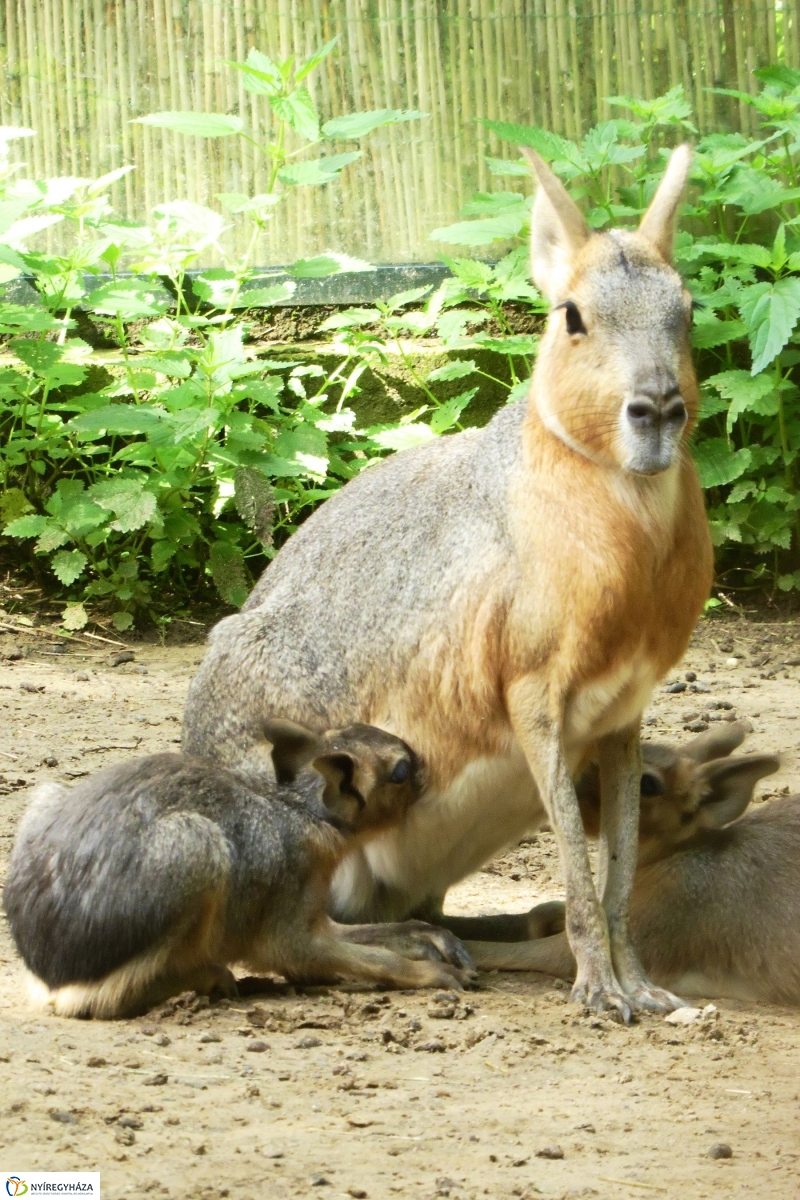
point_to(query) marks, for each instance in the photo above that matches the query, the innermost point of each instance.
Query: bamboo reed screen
(77, 71)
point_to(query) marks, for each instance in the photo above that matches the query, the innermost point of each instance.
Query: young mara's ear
(720, 740)
(340, 796)
(558, 231)
(658, 223)
(292, 746)
(728, 786)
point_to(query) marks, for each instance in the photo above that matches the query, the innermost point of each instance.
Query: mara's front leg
(538, 726)
(620, 775)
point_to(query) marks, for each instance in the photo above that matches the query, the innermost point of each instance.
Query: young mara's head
(614, 379)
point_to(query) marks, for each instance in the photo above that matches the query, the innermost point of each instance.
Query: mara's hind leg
(411, 939)
(195, 962)
(187, 960)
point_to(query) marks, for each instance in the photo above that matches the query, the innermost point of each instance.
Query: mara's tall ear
(719, 741)
(340, 796)
(558, 231)
(292, 747)
(658, 223)
(728, 785)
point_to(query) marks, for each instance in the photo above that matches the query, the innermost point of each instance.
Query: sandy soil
(509, 1091)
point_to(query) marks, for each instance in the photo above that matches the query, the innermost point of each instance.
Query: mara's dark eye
(574, 320)
(651, 785)
(400, 771)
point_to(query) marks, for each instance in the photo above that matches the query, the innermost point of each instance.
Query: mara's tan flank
(504, 599)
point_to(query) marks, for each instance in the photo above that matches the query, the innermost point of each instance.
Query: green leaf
(298, 110)
(67, 565)
(786, 79)
(742, 390)
(314, 268)
(302, 442)
(162, 553)
(717, 464)
(771, 312)
(74, 617)
(331, 263)
(24, 527)
(13, 504)
(228, 572)
(519, 391)
(125, 498)
(356, 125)
(315, 59)
(402, 299)
(122, 621)
(746, 252)
(472, 273)
(26, 318)
(519, 343)
(549, 145)
(117, 418)
(129, 299)
(481, 233)
(505, 166)
(452, 370)
(173, 368)
(492, 204)
(194, 124)
(39, 356)
(261, 75)
(318, 171)
(448, 414)
(710, 405)
(266, 297)
(708, 334)
(51, 537)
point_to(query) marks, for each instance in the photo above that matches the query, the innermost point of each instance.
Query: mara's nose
(655, 406)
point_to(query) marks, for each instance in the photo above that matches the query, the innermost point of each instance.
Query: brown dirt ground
(357, 1093)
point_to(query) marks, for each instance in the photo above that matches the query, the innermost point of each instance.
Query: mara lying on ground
(156, 876)
(715, 908)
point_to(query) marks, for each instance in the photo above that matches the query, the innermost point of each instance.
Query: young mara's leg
(324, 955)
(413, 939)
(540, 922)
(550, 955)
(620, 774)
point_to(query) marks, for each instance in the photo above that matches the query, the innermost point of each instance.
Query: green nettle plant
(187, 455)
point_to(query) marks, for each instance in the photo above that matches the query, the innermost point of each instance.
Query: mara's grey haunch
(158, 875)
(504, 599)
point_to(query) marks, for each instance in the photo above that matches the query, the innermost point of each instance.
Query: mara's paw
(443, 975)
(646, 997)
(603, 997)
(421, 940)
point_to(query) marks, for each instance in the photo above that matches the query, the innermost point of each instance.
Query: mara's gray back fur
(103, 872)
(329, 631)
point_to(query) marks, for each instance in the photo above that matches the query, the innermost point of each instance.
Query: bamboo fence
(77, 71)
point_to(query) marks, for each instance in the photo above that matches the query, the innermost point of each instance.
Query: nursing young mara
(503, 599)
